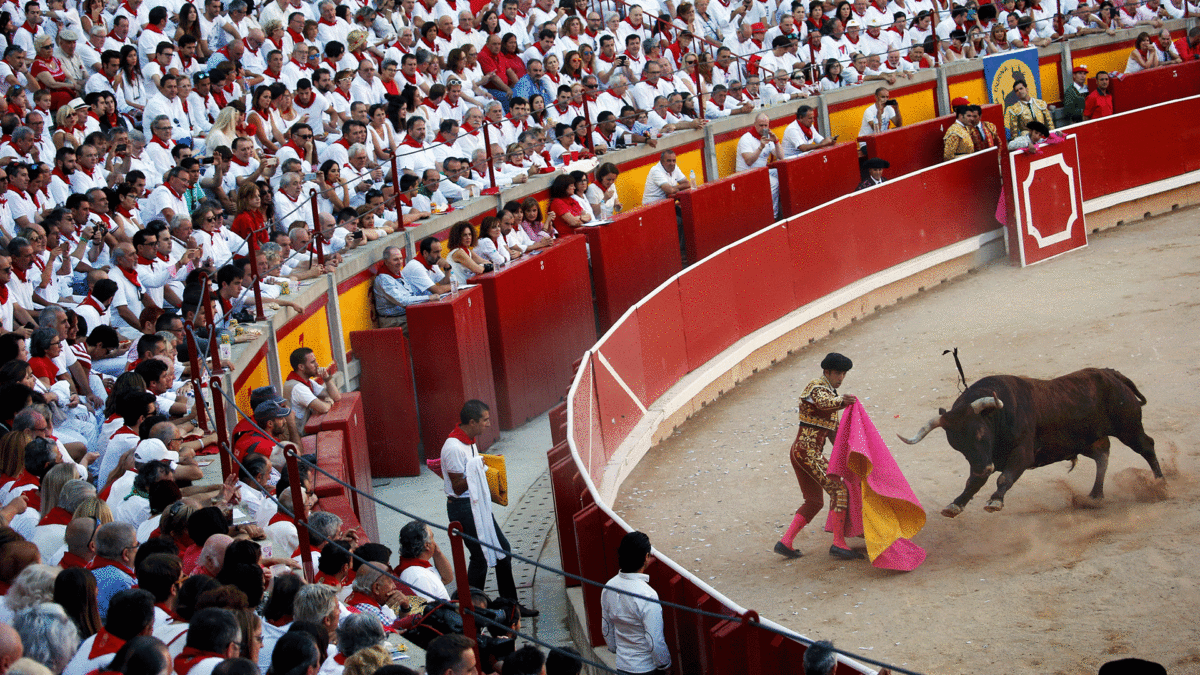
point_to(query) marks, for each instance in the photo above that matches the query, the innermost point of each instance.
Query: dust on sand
(1051, 584)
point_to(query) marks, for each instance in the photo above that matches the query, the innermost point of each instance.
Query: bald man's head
(80, 537)
(10, 646)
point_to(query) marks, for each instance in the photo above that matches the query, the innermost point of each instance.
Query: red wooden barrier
(1154, 86)
(589, 544)
(539, 319)
(346, 416)
(623, 268)
(329, 446)
(558, 423)
(913, 147)
(721, 212)
(1108, 165)
(390, 406)
(452, 365)
(811, 180)
(563, 473)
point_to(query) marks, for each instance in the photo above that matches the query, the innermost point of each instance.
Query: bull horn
(929, 426)
(987, 403)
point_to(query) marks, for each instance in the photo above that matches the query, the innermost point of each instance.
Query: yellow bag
(497, 478)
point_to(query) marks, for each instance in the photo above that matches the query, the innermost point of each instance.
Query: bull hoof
(993, 506)
(952, 510)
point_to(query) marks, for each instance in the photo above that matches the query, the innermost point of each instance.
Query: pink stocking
(839, 530)
(798, 523)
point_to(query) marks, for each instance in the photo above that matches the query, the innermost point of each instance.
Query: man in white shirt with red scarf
(305, 394)
(802, 136)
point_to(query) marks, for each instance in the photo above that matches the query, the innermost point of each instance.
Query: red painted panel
(558, 423)
(664, 358)
(390, 405)
(816, 178)
(619, 413)
(566, 504)
(535, 337)
(328, 446)
(623, 350)
(762, 258)
(1108, 167)
(347, 416)
(1045, 204)
(621, 278)
(706, 291)
(719, 213)
(1157, 85)
(452, 365)
(589, 545)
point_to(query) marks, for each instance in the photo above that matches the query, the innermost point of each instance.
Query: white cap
(153, 450)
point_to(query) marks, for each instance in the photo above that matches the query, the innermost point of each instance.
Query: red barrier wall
(623, 269)
(721, 212)
(389, 404)
(818, 177)
(916, 146)
(346, 416)
(1154, 86)
(539, 319)
(1109, 164)
(451, 364)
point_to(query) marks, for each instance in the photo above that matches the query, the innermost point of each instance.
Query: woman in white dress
(492, 246)
(334, 193)
(382, 138)
(464, 262)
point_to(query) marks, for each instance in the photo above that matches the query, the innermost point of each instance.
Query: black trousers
(460, 509)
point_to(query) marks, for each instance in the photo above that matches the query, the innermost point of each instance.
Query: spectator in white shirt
(802, 136)
(664, 180)
(756, 148)
(633, 626)
(423, 565)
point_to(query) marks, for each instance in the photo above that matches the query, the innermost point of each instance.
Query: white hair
(49, 635)
(33, 586)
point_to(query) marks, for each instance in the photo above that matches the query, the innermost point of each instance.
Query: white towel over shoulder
(481, 508)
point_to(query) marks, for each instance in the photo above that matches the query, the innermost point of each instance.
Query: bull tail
(1133, 387)
(1074, 461)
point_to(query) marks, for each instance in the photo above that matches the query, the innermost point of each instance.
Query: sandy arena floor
(1044, 586)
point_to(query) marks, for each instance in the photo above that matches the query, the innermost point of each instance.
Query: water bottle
(453, 285)
(225, 346)
(692, 176)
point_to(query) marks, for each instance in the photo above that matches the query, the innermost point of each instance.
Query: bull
(1009, 424)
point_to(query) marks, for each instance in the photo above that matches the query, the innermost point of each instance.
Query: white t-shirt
(749, 142)
(417, 277)
(658, 177)
(422, 579)
(301, 397)
(455, 454)
(872, 115)
(793, 138)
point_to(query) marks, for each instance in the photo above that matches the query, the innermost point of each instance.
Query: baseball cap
(853, 23)
(758, 28)
(271, 410)
(260, 394)
(153, 450)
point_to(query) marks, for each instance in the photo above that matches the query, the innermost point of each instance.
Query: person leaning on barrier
(633, 627)
(1024, 110)
(392, 294)
(959, 138)
(303, 392)
(664, 180)
(802, 136)
(420, 273)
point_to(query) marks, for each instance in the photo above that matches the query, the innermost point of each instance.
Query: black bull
(1009, 424)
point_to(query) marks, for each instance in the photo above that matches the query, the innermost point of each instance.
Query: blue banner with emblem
(1002, 71)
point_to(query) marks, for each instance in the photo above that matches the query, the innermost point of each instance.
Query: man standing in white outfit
(633, 627)
(756, 148)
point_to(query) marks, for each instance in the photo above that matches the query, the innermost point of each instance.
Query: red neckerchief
(333, 65)
(852, 41)
(219, 97)
(313, 96)
(806, 130)
(280, 516)
(459, 435)
(327, 22)
(144, 261)
(57, 516)
(33, 30)
(190, 657)
(299, 153)
(406, 563)
(105, 643)
(123, 210)
(357, 598)
(38, 262)
(406, 199)
(124, 428)
(1024, 37)
(273, 75)
(312, 549)
(170, 612)
(297, 377)
(428, 103)
(153, 28)
(20, 274)
(897, 31)
(1132, 15)
(132, 276)
(466, 126)
(297, 38)
(408, 140)
(382, 268)
(606, 59)
(100, 563)
(163, 257)
(159, 141)
(329, 580)
(4, 294)
(104, 494)
(239, 162)
(70, 560)
(413, 80)
(956, 50)
(173, 192)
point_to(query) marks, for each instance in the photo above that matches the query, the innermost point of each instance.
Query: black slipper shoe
(786, 552)
(845, 553)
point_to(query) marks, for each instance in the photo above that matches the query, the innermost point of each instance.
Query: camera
(488, 267)
(358, 234)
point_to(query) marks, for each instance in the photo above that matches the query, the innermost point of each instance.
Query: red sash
(57, 516)
(190, 657)
(104, 644)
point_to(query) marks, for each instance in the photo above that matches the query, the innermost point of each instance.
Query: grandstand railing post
(258, 303)
(193, 348)
(396, 187)
(206, 305)
(487, 152)
(292, 453)
(224, 447)
(460, 573)
(316, 242)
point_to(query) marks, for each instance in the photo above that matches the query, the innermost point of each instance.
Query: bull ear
(941, 411)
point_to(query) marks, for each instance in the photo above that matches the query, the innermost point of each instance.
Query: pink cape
(883, 508)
